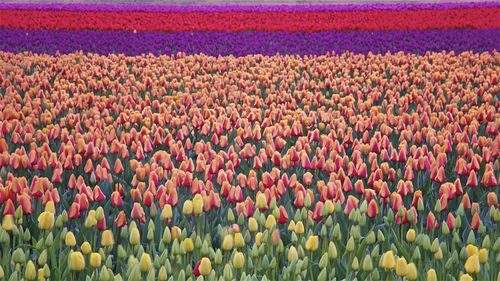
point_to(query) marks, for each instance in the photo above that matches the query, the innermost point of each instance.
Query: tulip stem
(310, 266)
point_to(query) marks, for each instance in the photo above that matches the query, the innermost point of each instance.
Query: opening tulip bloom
(46, 220)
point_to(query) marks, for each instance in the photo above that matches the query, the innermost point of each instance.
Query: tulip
(431, 275)
(188, 245)
(203, 267)
(401, 267)
(312, 243)
(86, 248)
(483, 255)
(239, 242)
(30, 273)
(77, 261)
(387, 261)
(46, 221)
(197, 204)
(472, 264)
(299, 228)
(135, 237)
(166, 212)
(238, 260)
(107, 238)
(270, 222)
(412, 273)
(70, 239)
(292, 254)
(466, 277)
(227, 243)
(8, 222)
(472, 250)
(187, 209)
(145, 263)
(252, 224)
(410, 235)
(95, 260)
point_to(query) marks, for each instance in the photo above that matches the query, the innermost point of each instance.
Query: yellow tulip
(49, 207)
(40, 275)
(8, 222)
(299, 228)
(291, 226)
(145, 263)
(431, 275)
(261, 201)
(107, 238)
(70, 239)
(412, 273)
(253, 226)
(239, 242)
(135, 237)
(270, 222)
(292, 254)
(46, 221)
(30, 271)
(483, 255)
(410, 235)
(257, 238)
(401, 267)
(227, 243)
(187, 208)
(86, 248)
(472, 250)
(312, 243)
(166, 213)
(77, 261)
(95, 260)
(238, 260)
(472, 264)
(205, 267)
(330, 207)
(198, 204)
(387, 261)
(466, 277)
(188, 245)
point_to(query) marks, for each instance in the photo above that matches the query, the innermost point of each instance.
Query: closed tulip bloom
(107, 238)
(135, 237)
(410, 235)
(483, 255)
(257, 238)
(166, 213)
(145, 263)
(239, 242)
(8, 222)
(275, 237)
(292, 254)
(238, 260)
(431, 275)
(472, 264)
(86, 248)
(312, 243)
(270, 222)
(188, 245)
(253, 226)
(471, 250)
(70, 239)
(261, 201)
(46, 221)
(299, 228)
(187, 208)
(77, 261)
(412, 273)
(198, 204)
(401, 267)
(30, 273)
(203, 267)
(387, 261)
(95, 260)
(227, 243)
(466, 277)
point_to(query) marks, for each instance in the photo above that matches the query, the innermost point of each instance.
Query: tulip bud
(322, 275)
(472, 264)
(270, 222)
(312, 243)
(8, 222)
(227, 243)
(18, 256)
(162, 274)
(218, 257)
(350, 245)
(483, 255)
(230, 215)
(145, 264)
(46, 220)
(332, 250)
(30, 273)
(227, 273)
(252, 224)
(238, 260)
(355, 264)
(367, 264)
(380, 236)
(135, 237)
(292, 254)
(70, 239)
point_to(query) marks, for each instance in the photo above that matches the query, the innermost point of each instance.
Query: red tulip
(372, 210)
(121, 220)
(74, 211)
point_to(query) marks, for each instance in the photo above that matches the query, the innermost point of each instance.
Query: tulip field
(334, 142)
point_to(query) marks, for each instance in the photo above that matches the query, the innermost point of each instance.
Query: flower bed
(367, 151)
